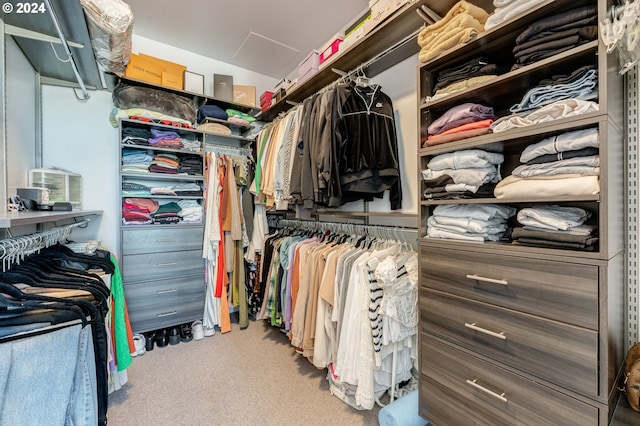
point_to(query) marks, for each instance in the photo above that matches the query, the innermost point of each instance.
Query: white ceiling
(269, 37)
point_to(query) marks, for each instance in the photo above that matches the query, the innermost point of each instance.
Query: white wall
(77, 136)
(20, 117)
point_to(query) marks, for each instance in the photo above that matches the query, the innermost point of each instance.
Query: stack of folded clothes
(566, 164)
(165, 162)
(137, 211)
(471, 73)
(136, 136)
(135, 161)
(560, 96)
(469, 173)
(507, 9)
(167, 213)
(582, 84)
(191, 165)
(239, 117)
(460, 122)
(191, 212)
(462, 23)
(165, 139)
(471, 222)
(555, 227)
(187, 190)
(555, 34)
(132, 188)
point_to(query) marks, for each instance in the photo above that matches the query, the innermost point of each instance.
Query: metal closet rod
(65, 44)
(351, 228)
(22, 245)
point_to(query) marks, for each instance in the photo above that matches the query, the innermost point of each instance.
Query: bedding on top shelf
(110, 24)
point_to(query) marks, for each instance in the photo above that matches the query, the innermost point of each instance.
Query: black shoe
(162, 338)
(149, 340)
(185, 333)
(174, 336)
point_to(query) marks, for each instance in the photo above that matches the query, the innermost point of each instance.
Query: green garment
(120, 336)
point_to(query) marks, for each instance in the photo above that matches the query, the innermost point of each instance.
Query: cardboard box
(244, 95)
(331, 49)
(311, 62)
(223, 87)
(144, 70)
(307, 75)
(172, 80)
(381, 11)
(177, 70)
(353, 37)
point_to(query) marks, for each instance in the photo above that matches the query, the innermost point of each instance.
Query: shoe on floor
(150, 339)
(162, 338)
(139, 343)
(197, 330)
(186, 335)
(174, 336)
(208, 332)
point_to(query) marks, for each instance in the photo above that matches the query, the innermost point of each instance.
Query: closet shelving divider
(538, 335)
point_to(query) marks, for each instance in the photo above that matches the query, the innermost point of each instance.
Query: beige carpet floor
(244, 377)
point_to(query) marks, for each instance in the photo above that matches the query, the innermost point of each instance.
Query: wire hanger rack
(402, 234)
(14, 249)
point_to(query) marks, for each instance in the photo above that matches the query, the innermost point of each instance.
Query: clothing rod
(366, 64)
(342, 227)
(229, 150)
(17, 247)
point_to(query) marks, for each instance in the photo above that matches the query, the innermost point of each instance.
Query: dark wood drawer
(161, 238)
(161, 303)
(562, 291)
(557, 352)
(151, 266)
(459, 389)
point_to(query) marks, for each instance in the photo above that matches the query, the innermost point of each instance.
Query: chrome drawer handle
(167, 264)
(474, 383)
(488, 280)
(165, 240)
(485, 331)
(171, 290)
(167, 314)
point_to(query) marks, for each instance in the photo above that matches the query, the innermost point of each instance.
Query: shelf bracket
(65, 44)
(14, 31)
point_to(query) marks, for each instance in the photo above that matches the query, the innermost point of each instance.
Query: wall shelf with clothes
(520, 126)
(198, 99)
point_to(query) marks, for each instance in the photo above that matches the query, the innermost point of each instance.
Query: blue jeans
(49, 378)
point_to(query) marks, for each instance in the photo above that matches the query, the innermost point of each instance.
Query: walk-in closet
(374, 212)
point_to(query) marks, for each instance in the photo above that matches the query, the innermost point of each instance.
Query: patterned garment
(253, 286)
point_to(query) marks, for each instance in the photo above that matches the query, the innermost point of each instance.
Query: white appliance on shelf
(63, 185)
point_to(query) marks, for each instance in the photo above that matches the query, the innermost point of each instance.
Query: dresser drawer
(151, 266)
(161, 303)
(561, 291)
(554, 351)
(459, 389)
(161, 238)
